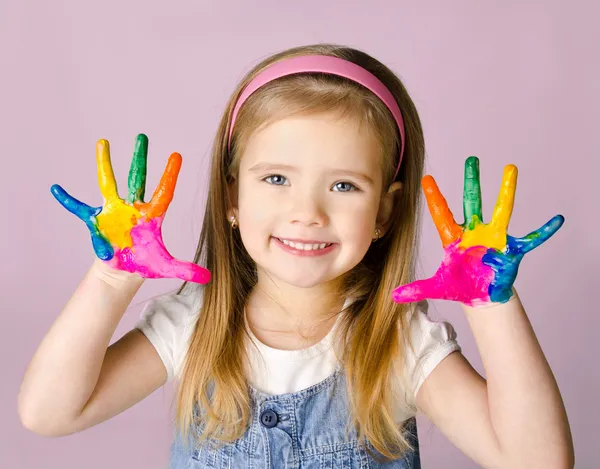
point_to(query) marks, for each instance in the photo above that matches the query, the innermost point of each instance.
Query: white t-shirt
(168, 322)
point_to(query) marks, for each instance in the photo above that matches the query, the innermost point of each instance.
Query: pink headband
(324, 64)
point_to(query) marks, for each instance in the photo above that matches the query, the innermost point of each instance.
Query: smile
(304, 246)
(304, 249)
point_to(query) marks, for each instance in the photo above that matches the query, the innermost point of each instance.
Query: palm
(127, 233)
(481, 260)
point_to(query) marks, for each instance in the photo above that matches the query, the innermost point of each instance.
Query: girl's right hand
(126, 234)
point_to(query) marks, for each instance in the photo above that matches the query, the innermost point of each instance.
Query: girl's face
(305, 182)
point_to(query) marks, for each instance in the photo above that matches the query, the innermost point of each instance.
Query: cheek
(356, 224)
(254, 207)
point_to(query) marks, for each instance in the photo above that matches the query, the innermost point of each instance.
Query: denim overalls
(301, 430)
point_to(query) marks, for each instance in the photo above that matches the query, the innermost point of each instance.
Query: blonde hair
(213, 387)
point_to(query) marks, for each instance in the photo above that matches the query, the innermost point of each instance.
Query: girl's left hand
(480, 259)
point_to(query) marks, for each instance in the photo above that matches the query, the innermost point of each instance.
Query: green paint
(472, 193)
(137, 171)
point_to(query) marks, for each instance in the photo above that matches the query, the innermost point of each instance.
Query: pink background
(510, 82)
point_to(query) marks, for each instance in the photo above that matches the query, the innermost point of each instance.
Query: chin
(301, 280)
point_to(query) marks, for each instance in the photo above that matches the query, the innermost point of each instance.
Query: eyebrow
(260, 167)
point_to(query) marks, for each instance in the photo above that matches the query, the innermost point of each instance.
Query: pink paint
(462, 276)
(150, 259)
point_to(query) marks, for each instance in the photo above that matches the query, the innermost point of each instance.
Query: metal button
(268, 418)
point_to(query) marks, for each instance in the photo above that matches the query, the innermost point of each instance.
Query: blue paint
(102, 247)
(506, 264)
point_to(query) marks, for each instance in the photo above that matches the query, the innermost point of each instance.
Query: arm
(74, 379)
(517, 418)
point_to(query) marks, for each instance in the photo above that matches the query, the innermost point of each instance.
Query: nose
(308, 210)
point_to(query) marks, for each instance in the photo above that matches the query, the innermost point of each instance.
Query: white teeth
(305, 247)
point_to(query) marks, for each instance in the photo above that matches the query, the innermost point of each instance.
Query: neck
(278, 306)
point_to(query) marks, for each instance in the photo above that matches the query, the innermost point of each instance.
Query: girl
(288, 349)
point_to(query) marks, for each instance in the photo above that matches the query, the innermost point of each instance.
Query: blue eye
(279, 176)
(351, 187)
(279, 180)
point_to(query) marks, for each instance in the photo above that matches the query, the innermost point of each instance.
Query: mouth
(305, 245)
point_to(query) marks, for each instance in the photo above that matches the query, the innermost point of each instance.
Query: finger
(443, 219)
(164, 192)
(106, 177)
(472, 193)
(536, 238)
(187, 271)
(87, 214)
(418, 290)
(81, 210)
(506, 198)
(137, 171)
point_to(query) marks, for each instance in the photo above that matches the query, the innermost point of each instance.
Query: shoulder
(171, 311)
(168, 321)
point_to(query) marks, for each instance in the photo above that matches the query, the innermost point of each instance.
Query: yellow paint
(115, 222)
(493, 234)
(117, 218)
(490, 235)
(506, 199)
(106, 177)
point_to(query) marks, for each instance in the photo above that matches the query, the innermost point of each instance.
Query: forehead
(319, 141)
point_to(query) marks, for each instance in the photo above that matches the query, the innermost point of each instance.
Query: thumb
(155, 261)
(189, 271)
(418, 290)
(164, 265)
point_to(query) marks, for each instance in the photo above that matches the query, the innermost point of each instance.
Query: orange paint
(448, 229)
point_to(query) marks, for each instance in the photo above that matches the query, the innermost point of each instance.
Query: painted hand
(127, 234)
(480, 260)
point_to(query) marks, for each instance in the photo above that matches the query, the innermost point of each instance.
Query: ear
(232, 191)
(386, 206)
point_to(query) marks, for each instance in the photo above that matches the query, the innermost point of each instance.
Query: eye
(345, 186)
(277, 179)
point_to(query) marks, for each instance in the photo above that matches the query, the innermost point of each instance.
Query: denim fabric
(304, 430)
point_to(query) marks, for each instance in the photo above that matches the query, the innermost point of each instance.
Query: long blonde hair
(213, 383)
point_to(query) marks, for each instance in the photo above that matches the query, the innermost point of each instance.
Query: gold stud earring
(233, 221)
(377, 234)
